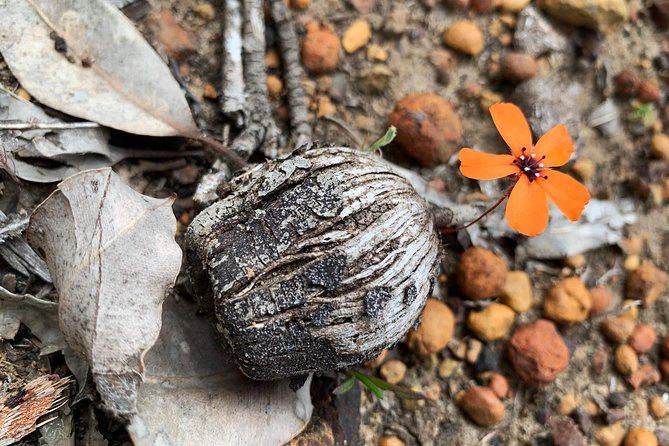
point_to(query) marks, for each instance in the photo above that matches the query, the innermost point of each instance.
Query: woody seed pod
(316, 262)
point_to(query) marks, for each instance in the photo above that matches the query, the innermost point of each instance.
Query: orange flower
(527, 209)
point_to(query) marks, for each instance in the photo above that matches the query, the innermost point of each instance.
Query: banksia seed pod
(316, 262)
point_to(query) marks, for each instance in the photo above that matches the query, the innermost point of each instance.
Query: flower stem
(504, 196)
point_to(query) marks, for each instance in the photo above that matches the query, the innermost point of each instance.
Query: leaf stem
(488, 211)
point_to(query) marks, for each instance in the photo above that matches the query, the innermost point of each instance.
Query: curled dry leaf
(104, 72)
(194, 394)
(112, 256)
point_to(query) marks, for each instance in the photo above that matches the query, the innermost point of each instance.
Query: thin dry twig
(17, 125)
(232, 88)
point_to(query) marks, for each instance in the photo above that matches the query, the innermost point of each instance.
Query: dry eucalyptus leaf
(112, 256)
(193, 394)
(86, 59)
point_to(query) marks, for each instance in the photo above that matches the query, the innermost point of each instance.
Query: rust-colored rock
(642, 338)
(617, 329)
(568, 301)
(626, 360)
(565, 432)
(491, 323)
(485, 6)
(638, 436)
(601, 299)
(481, 274)
(466, 37)
(428, 128)
(648, 92)
(177, 41)
(482, 405)
(320, 49)
(645, 375)
(499, 384)
(518, 67)
(646, 283)
(538, 353)
(626, 83)
(434, 331)
(517, 291)
(664, 368)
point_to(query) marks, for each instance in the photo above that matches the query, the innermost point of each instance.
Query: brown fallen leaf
(86, 59)
(112, 257)
(20, 410)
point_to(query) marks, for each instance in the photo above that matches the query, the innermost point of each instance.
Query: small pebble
(272, 59)
(356, 36)
(517, 67)
(664, 368)
(631, 309)
(568, 301)
(646, 283)
(376, 362)
(648, 92)
(393, 371)
(575, 262)
(484, 6)
(568, 404)
(177, 41)
(391, 440)
(638, 436)
(209, 91)
(376, 53)
(611, 435)
(491, 323)
(300, 4)
(9, 282)
(645, 375)
(517, 291)
(23, 94)
(583, 420)
(659, 146)
(626, 83)
(664, 346)
(466, 37)
(434, 331)
(642, 338)
(326, 107)
(632, 262)
(447, 367)
(565, 432)
(583, 168)
(591, 408)
(601, 299)
(538, 353)
(600, 362)
(626, 360)
(481, 274)
(614, 415)
(482, 405)
(617, 329)
(320, 49)
(514, 5)
(499, 384)
(618, 399)
(274, 86)
(474, 348)
(205, 10)
(657, 407)
(428, 128)
(488, 360)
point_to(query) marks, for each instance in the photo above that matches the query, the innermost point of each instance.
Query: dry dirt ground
(623, 168)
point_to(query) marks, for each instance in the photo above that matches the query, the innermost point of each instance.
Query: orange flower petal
(527, 209)
(513, 127)
(485, 166)
(556, 145)
(569, 195)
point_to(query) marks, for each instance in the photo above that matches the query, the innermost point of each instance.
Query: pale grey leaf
(109, 74)
(112, 256)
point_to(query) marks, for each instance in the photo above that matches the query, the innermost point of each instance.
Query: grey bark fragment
(232, 97)
(318, 271)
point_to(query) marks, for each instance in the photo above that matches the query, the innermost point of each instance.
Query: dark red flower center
(531, 165)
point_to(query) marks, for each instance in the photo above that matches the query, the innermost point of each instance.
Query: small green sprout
(643, 113)
(376, 386)
(384, 140)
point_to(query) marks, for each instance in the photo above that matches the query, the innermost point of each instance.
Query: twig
(292, 72)
(354, 136)
(28, 299)
(15, 125)
(260, 129)
(504, 196)
(194, 103)
(232, 97)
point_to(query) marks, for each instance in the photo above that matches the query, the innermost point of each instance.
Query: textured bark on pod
(315, 262)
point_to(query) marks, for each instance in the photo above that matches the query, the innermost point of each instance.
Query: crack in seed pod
(314, 262)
